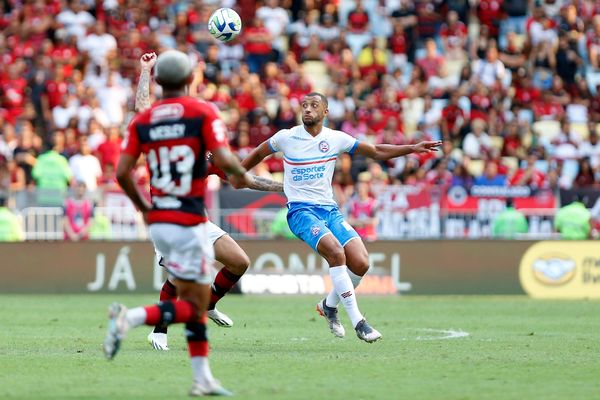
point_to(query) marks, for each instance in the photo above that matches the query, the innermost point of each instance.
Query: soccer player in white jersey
(310, 152)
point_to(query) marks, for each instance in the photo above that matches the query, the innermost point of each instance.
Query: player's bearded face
(312, 112)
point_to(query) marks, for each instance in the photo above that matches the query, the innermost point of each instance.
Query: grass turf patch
(279, 348)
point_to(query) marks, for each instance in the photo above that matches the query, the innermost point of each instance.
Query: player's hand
(148, 60)
(239, 182)
(428, 146)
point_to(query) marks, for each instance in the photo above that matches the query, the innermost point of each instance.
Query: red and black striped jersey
(175, 134)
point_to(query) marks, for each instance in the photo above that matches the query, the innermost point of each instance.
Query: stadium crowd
(511, 86)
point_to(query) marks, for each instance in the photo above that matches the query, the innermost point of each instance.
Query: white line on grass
(447, 334)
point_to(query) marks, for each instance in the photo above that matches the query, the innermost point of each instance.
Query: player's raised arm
(257, 155)
(142, 95)
(389, 151)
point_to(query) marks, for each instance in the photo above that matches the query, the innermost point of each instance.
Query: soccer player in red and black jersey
(175, 135)
(227, 251)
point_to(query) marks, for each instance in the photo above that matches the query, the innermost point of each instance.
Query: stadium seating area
(500, 82)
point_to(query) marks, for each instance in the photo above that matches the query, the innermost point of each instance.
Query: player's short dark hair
(321, 96)
(172, 70)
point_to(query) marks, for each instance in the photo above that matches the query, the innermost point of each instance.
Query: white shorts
(187, 250)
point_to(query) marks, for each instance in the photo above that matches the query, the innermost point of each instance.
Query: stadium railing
(123, 223)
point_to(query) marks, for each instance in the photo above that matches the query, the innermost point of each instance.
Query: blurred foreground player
(175, 135)
(227, 251)
(310, 152)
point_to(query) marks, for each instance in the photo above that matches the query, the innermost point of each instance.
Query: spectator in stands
(78, 214)
(358, 28)
(453, 120)
(85, 166)
(454, 37)
(276, 20)
(490, 71)
(258, 45)
(434, 66)
(529, 175)
(108, 151)
(573, 221)
(462, 177)
(362, 212)
(510, 223)
(98, 45)
(113, 98)
(477, 144)
(75, 19)
(27, 150)
(10, 227)
(516, 18)
(591, 149)
(585, 177)
(490, 176)
(593, 43)
(52, 176)
(439, 175)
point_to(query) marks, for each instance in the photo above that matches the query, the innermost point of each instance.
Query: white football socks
(332, 299)
(343, 287)
(136, 316)
(201, 370)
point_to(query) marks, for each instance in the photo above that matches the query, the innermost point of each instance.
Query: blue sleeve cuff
(353, 149)
(271, 148)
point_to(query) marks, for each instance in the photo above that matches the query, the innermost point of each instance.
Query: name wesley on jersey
(307, 174)
(164, 132)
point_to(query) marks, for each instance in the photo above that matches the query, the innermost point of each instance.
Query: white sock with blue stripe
(345, 290)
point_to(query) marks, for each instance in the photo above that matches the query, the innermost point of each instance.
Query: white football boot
(158, 341)
(219, 318)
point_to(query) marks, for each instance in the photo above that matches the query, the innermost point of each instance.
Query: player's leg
(195, 331)
(236, 262)
(357, 259)
(158, 337)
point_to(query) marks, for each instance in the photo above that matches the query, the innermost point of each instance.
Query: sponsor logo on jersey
(299, 138)
(166, 112)
(308, 174)
(315, 230)
(323, 146)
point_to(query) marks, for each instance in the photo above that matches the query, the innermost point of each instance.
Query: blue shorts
(311, 222)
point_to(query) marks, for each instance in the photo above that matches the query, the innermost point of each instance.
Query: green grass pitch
(280, 348)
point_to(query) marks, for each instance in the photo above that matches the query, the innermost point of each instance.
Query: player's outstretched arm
(262, 184)
(126, 164)
(389, 151)
(257, 155)
(142, 95)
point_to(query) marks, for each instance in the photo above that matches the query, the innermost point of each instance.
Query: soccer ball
(225, 24)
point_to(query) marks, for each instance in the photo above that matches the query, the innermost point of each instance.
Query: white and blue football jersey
(309, 162)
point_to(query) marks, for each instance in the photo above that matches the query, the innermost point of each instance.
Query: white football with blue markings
(224, 24)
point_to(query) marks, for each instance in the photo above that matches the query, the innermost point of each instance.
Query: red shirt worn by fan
(175, 134)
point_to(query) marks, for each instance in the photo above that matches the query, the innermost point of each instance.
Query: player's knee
(335, 256)
(239, 265)
(359, 266)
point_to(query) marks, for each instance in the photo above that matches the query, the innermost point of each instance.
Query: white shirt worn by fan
(309, 162)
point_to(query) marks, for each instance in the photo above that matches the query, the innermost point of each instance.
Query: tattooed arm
(142, 95)
(263, 184)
